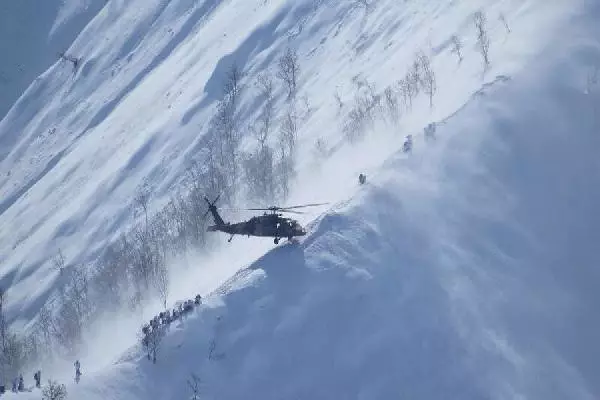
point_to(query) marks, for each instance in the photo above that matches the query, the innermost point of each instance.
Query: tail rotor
(211, 206)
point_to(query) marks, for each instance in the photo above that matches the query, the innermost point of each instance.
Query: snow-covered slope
(74, 148)
(32, 33)
(463, 270)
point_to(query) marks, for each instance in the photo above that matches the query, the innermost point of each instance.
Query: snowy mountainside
(406, 287)
(75, 147)
(463, 270)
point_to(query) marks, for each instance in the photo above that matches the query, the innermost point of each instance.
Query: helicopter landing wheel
(276, 240)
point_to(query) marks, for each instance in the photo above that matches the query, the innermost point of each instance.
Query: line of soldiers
(407, 146)
(165, 318)
(429, 133)
(18, 384)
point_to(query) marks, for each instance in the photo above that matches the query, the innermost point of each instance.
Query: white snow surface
(465, 270)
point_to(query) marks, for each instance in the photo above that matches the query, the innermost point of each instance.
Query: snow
(467, 269)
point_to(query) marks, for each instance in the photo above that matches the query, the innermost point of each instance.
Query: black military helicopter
(271, 224)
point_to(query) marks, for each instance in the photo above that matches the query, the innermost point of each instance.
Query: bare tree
(59, 262)
(338, 101)
(13, 355)
(161, 283)
(428, 80)
(259, 169)
(54, 391)
(141, 200)
(289, 70)
(154, 339)
(233, 85)
(391, 101)
(362, 115)
(3, 337)
(457, 47)
(483, 41)
(406, 90)
(223, 155)
(414, 77)
(43, 328)
(75, 310)
(194, 383)
(362, 4)
(289, 129)
(285, 166)
(265, 119)
(111, 280)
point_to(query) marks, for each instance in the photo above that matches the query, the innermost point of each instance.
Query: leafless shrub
(502, 19)
(59, 262)
(457, 47)
(338, 100)
(213, 354)
(194, 383)
(54, 391)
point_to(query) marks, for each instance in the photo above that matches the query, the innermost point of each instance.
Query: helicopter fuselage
(268, 225)
(271, 224)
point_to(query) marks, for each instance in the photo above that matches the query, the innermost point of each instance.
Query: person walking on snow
(408, 144)
(77, 371)
(362, 178)
(37, 377)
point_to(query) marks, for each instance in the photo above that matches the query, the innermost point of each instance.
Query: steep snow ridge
(78, 144)
(467, 269)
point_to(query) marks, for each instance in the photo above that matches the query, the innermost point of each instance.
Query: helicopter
(270, 224)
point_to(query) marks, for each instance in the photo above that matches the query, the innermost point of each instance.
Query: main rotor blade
(304, 205)
(292, 212)
(276, 208)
